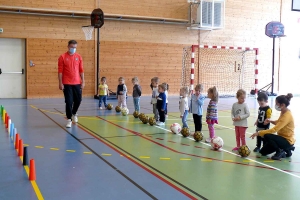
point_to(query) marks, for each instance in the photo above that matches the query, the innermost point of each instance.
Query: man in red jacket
(71, 80)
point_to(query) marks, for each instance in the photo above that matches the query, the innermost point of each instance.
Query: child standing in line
(167, 95)
(155, 93)
(103, 93)
(161, 104)
(136, 93)
(212, 112)
(240, 113)
(121, 93)
(196, 107)
(184, 105)
(263, 119)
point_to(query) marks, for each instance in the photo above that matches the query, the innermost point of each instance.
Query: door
(12, 62)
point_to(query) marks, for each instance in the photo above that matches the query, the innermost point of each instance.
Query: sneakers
(208, 140)
(235, 149)
(75, 118)
(69, 123)
(100, 108)
(288, 151)
(278, 155)
(160, 123)
(257, 149)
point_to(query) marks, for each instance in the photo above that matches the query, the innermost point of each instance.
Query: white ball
(175, 128)
(125, 111)
(216, 143)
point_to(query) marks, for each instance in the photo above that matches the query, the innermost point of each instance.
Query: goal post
(227, 68)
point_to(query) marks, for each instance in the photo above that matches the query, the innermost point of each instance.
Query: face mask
(277, 108)
(72, 50)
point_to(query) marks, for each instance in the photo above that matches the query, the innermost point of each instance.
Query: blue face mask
(72, 50)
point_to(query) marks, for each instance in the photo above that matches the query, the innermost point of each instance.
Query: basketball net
(88, 32)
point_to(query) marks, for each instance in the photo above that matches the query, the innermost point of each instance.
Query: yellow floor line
(268, 160)
(26, 145)
(39, 147)
(144, 157)
(165, 158)
(87, 152)
(70, 151)
(228, 160)
(55, 149)
(248, 161)
(185, 159)
(33, 183)
(106, 154)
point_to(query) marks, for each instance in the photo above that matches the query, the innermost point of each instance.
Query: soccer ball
(244, 151)
(141, 116)
(145, 120)
(109, 106)
(198, 136)
(118, 109)
(175, 128)
(125, 111)
(185, 131)
(151, 121)
(216, 143)
(136, 114)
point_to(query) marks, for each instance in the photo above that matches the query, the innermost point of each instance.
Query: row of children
(239, 112)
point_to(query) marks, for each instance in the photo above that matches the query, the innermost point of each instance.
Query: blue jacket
(161, 101)
(196, 106)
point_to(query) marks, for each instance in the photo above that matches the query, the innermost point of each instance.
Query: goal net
(227, 68)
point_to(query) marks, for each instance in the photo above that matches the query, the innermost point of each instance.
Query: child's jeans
(136, 103)
(102, 98)
(184, 119)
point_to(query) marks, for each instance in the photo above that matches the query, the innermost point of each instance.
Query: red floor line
(148, 170)
(139, 134)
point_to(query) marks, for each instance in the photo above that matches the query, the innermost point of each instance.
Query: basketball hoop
(88, 32)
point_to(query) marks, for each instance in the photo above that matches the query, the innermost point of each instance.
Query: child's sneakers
(75, 118)
(160, 123)
(208, 140)
(257, 149)
(235, 149)
(69, 123)
(100, 108)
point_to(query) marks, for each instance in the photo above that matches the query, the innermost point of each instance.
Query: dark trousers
(197, 122)
(166, 110)
(259, 140)
(274, 143)
(102, 98)
(162, 117)
(73, 98)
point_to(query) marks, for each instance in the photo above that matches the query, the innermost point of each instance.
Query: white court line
(237, 155)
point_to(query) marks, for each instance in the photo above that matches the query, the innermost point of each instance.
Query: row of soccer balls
(216, 142)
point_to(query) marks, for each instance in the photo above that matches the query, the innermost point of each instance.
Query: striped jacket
(212, 111)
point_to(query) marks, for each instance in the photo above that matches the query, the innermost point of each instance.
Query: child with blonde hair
(196, 107)
(103, 93)
(212, 112)
(240, 113)
(184, 105)
(155, 93)
(136, 93)
(161, 104)
(121, 93)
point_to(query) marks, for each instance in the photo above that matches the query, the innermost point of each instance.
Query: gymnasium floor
(110, 156)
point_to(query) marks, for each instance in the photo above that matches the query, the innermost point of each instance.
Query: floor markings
(26, 145)
(106, 154)
(228, 160)
(165, 158)
(86, 152)
(70, 151)
(269, 161)
(206, 160)
(54, 149)
(145, 157)
(39, 147)
(185, 159)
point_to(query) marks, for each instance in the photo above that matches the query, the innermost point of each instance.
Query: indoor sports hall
(123, 150)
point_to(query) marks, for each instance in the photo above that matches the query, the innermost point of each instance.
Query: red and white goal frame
(192, 64)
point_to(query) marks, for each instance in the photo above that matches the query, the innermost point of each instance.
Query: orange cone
(20, 147)
(17, 141)
(32, 171)
(5, 118)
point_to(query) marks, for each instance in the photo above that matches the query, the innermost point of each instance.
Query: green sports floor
(159, 163)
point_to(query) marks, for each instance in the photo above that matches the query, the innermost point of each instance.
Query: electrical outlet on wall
(237, 67)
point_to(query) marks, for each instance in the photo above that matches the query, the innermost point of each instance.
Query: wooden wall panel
(72, 5)
(42, 79)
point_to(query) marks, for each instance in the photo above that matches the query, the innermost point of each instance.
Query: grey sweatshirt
(242, 111)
